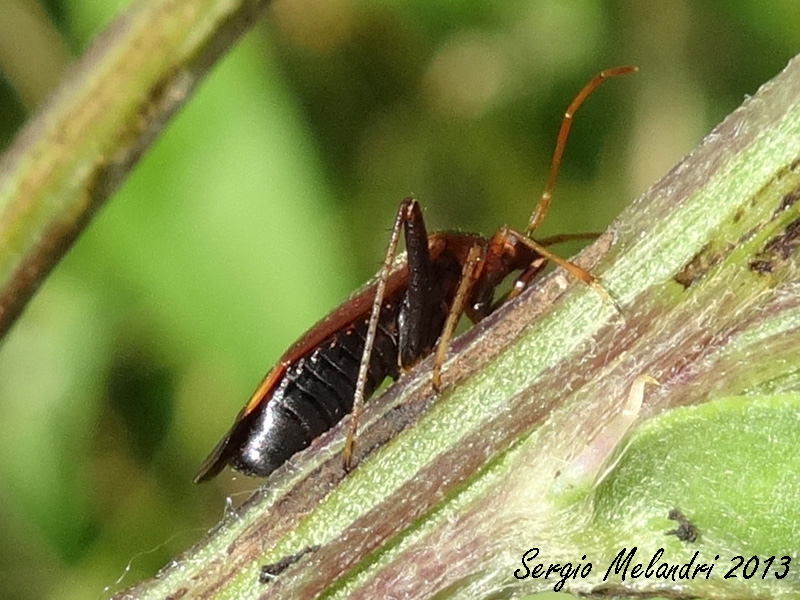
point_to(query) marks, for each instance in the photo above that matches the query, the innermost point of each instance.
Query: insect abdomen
(314, 394)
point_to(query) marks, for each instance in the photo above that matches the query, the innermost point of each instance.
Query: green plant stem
(86, 138)
(455, 488)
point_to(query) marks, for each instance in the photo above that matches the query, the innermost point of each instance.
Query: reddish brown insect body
(387, 326)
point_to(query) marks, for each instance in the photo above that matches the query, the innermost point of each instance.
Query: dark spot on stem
(272, 570)
(748, 235)
(621, 591)
(777, 250)
(787, 201)
(761, 266)
(685, 531)
(701, 263)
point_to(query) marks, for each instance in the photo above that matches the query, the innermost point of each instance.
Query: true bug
(388, 326)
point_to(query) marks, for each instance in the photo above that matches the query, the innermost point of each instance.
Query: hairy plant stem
(450, 490)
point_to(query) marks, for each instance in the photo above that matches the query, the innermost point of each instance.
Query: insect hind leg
(415, 316)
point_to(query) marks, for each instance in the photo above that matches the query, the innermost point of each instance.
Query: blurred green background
(268, 199)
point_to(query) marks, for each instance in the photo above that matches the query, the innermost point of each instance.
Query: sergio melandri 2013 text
(623, 566)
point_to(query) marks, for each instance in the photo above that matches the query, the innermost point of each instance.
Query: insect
(405, 314)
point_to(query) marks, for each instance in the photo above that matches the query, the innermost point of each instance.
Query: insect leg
(533, 270)
(568, 237)
(409, 216)
(469, 274)
(569, 267)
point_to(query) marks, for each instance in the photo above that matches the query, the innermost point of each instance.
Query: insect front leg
(535, 268)
(539, 250)
(509, 251)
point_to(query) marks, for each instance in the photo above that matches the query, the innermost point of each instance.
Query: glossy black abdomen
(314, 394)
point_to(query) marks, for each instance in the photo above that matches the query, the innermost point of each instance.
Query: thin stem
(83, 142)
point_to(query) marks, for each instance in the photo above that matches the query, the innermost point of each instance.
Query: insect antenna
(547, 195)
